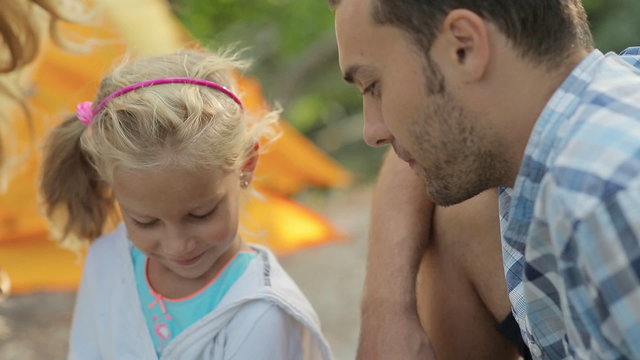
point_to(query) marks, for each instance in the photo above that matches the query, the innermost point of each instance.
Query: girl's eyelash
(143, 224)
(205, 216)
(196, 217)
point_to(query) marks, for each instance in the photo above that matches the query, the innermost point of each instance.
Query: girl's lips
(187, 262)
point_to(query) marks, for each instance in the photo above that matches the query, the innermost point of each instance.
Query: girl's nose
(177, 243)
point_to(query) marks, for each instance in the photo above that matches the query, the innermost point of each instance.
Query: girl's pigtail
(77, 202)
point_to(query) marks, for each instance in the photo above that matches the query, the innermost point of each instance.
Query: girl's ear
(249, 166)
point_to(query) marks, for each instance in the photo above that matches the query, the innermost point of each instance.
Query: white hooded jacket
(264, 315)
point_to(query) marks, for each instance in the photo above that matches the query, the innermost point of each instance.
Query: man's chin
(441, 193)
(446, 195)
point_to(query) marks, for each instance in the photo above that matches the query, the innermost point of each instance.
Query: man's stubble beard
(462, 161)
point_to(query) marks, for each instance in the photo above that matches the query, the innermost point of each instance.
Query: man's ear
(462, 45)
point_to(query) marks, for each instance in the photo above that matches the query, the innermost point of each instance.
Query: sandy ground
(35, 326)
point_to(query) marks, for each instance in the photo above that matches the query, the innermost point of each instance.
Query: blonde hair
(191, 125)
(21, 28)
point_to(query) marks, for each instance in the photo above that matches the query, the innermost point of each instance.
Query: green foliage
(615, 23)
(295, 22)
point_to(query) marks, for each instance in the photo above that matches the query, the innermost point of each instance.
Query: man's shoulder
(616, 75)
(595, 165)
(632, 56)
(601, 138)
(599, 116)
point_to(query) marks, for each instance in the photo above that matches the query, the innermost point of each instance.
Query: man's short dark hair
(544, 31)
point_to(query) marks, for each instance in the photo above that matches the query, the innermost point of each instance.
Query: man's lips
(404, 156)
(408, 160)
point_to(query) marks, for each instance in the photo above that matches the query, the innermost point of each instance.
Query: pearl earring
(244, 181)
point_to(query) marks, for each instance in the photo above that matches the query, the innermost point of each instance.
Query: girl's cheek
(144, 242)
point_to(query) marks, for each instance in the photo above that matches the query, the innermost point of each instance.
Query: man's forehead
(354, 12)
(354, 33)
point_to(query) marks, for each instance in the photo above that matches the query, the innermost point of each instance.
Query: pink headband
(85, 111)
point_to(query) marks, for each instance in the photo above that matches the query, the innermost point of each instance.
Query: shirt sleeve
(266, 332)
(602, 273)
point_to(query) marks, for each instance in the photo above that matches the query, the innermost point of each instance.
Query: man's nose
(375, 131)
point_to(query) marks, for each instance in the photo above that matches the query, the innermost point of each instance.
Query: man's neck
(524, 93)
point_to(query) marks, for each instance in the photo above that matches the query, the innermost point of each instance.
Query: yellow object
(62, 79)
(284, 225)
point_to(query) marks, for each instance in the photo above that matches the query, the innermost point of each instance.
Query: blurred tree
(615, 23)
(293, 46)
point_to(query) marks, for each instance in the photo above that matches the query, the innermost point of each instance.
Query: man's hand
(388, 334)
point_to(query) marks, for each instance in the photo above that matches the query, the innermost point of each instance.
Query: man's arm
(400, 225)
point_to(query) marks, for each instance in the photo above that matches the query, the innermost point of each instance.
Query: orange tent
(62, 79)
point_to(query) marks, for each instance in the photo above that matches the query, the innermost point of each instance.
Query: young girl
(167, 141)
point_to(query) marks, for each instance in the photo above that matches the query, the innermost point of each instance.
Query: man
(481, 94)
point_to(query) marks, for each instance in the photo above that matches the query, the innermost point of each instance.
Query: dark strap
(509, 328)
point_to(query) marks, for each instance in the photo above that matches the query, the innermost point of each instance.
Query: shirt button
(535, 350)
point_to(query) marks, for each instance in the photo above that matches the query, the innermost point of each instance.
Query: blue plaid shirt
(571, 223)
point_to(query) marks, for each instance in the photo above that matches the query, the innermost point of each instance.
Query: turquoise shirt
(166, 318)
